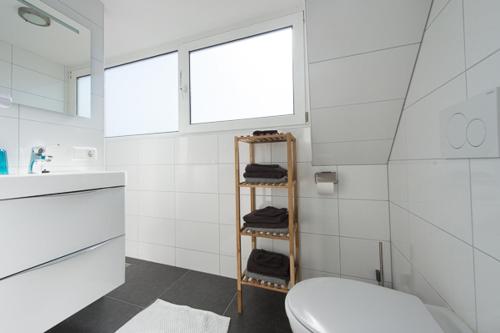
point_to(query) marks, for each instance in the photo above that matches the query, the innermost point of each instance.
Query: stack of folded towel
(265, 173)
(267, 219)
(268, 266)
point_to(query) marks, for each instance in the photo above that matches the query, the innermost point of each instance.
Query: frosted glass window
(83, 99)
(142, 97)
(242, 79)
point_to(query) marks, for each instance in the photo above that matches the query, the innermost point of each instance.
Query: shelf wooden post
(238, 224)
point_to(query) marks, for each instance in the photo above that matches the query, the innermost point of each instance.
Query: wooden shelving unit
(293, 227)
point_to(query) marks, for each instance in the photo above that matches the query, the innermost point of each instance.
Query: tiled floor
(264, 311)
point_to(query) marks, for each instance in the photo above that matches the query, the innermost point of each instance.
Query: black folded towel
(265, 132)
(269, 263)
(269, 217)
(265, 171)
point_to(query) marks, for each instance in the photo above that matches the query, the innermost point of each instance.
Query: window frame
(296, 22)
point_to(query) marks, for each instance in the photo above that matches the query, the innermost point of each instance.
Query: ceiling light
(33, 16)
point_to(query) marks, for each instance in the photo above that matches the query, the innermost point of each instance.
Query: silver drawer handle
(64, 258)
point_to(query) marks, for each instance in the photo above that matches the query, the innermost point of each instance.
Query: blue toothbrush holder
(4, 166)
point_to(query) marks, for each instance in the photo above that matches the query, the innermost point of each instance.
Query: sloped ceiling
(133, 25)
(361, 56)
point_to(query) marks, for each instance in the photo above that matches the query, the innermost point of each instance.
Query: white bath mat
(164, 317)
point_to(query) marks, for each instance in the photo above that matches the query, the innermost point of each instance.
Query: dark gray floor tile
(146, 281)
(263, 312)
(202, 291)
(103, 316)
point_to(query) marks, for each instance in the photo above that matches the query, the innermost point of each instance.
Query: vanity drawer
(37, 299)
(39, 229)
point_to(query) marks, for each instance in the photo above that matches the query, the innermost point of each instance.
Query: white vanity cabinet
(59, 250)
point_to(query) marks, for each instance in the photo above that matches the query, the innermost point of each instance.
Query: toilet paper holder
(325, 177)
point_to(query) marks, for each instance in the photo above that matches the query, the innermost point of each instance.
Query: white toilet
(333, 305)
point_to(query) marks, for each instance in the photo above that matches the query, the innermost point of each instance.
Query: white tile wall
(185, 205)
(341, 28)
(361, 57)
(444, 214)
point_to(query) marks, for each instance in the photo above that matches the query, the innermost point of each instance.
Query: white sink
(23, 186)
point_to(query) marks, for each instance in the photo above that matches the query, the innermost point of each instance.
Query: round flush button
(457, 130)
(476, 132)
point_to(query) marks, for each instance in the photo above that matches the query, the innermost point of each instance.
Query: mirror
(45, 58)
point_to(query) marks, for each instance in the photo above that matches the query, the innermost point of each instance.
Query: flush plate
(470, 129)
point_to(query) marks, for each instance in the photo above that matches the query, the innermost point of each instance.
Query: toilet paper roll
(325, 188)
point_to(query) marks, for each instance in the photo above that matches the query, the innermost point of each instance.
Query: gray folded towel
(271, 279)
(266, 180)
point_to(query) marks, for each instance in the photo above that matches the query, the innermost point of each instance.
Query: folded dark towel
(265, 132)
(269, 263)
(262, 167)
(264, 171)
(269, 217)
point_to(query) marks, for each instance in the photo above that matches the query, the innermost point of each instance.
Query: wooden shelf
(245, 280)
(280, 137)
(291, 236)
(265, 234)
(266, 185)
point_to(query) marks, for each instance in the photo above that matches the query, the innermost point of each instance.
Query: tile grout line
(229, 304)
(473, 242)
(173, 283)
(124, 302)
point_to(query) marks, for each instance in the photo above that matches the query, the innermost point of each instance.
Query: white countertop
(21, 186)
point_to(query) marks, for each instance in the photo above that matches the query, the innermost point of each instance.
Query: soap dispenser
(4, 166)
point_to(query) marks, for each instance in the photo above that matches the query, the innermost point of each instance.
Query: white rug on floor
(164, 317)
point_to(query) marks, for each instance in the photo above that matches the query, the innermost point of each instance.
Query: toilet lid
(339, 305)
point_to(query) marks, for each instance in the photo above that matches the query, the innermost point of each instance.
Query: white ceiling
(132, 25)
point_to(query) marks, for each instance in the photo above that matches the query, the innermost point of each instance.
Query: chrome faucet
(38, 157)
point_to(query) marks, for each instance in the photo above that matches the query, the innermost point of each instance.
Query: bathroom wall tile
(488, 302)
(408, 280)
(196, 178)
(132, 199)
(157, 177)
(423, 132)
(352, 152)
(344, 28)
(228, 240)
(482, 77)
(198, 261)
(156, 253)
(157, 231)
(318, 216)
(400, 229)
(313, 250)
(371, 121)
(442, 54)
(437, 7)
(356, 79)
(364, 219)
(311, 274)
(196, 149)
(360, 258)
(485, 177)
(197, 207)
(225, 176)
(157, 150)
(157, 204)
(228, 266)
(132, 175)
(197, 236)
(363, 182)
(121, 151)
(304, 152)
(440, 258)
(132, 249)
(399, 149)
(132, 227)
(481, 25)
(398, 182)
(439, 192)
